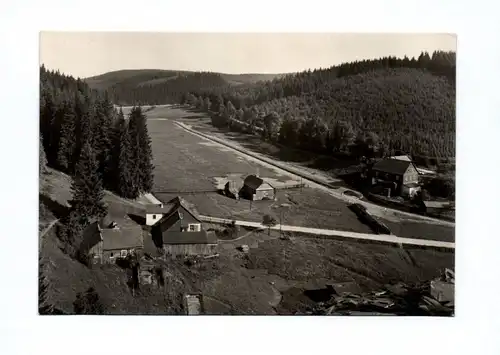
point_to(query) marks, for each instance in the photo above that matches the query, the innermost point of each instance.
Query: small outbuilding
(255, 188)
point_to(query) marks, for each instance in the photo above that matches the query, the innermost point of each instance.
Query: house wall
(186, 220)
(379, 176)
(264, 193)
(410, 175)
(189, 249)
(152, 218)
(110, 256)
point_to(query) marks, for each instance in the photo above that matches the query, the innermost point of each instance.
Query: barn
(255, 188)
(180, 231)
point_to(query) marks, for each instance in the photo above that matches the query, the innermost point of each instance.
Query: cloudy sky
(84, 54)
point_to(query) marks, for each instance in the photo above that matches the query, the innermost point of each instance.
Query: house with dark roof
(255, 188)
(400, 175)
(180, 231)
(105, 240)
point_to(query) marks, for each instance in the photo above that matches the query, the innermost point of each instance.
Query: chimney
(160, 205)
(257, 173)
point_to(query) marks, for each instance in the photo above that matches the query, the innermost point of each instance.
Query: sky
(85, 54)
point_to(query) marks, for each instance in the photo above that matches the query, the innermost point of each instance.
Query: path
(384, 238)
(45, 231)
(310, 180)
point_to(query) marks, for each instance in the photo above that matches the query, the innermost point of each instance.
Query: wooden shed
(255, 188)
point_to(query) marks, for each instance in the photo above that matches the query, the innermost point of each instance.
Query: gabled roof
(202, 237)
(253, 182)
(112, 238)
(392, 166)
(169, 220)
(178, 201)
(118, 238)
(157, 209)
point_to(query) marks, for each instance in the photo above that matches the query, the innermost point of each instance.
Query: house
(179, 232)
(255, 188)
(154, 213)
(400, 175)
(104, 240)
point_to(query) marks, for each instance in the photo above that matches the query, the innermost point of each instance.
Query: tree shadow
(60, 211)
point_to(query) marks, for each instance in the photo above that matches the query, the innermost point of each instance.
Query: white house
(155, 212)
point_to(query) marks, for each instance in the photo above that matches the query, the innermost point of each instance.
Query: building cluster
(175, 228)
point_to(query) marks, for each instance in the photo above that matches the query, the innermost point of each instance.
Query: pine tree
(102, 123)
(135, 154)
(124, 180)
(84, 128)
(42, 158)
(67, 143)
(142, 154)
(87, 186)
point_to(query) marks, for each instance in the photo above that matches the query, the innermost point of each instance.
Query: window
(154, 216)
(194, 227)
(111, 255)
(397, 177)
(123, 253)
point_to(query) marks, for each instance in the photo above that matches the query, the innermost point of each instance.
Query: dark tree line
(83, 135)
(370, 108)
(153, 89)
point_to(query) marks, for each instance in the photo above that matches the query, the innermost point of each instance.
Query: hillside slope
(372, 114)
(155, 86)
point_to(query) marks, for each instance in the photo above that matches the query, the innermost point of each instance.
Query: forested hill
(373, 107)
(151, 86)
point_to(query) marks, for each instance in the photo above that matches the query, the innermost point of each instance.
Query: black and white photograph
(247, 174)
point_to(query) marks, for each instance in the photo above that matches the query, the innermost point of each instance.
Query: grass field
(184, 162)
(213, 161)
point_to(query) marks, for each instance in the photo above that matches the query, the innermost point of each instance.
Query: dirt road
(384, 238)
